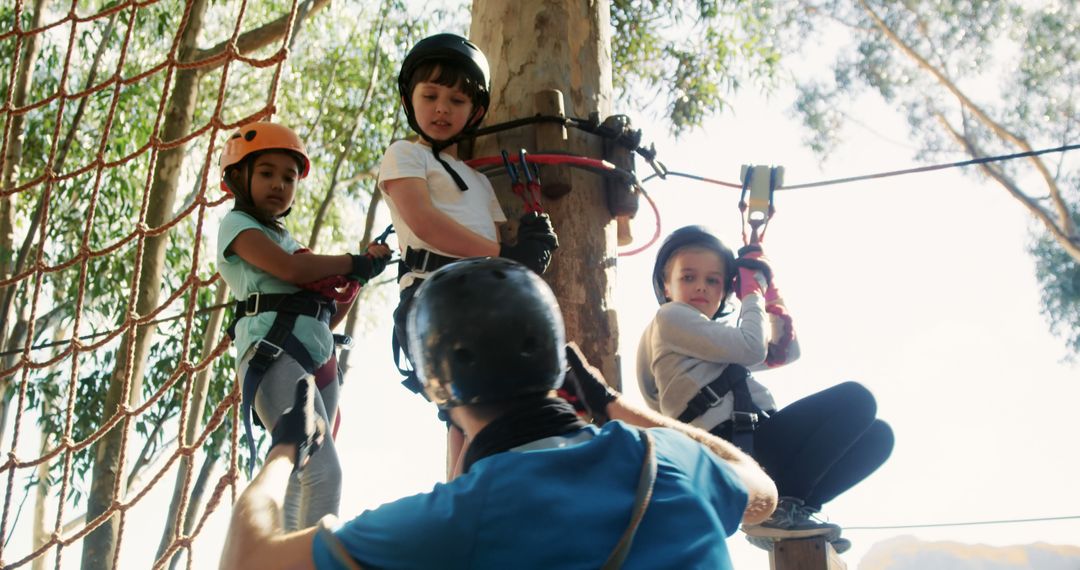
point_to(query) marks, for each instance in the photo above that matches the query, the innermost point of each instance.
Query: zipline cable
(601, 166)
(886, 174)
(968, 523)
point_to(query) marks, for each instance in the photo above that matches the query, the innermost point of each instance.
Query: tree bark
(534, 46)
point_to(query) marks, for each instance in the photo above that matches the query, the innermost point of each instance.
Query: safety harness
(745, 414)
(278, 340)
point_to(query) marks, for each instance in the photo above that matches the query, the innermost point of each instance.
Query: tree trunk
(100, 544)
(533, 46)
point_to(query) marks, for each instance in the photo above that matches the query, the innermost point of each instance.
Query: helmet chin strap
(439, 146)
(436, 148)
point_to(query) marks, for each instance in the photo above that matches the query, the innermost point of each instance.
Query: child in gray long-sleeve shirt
(697, 369)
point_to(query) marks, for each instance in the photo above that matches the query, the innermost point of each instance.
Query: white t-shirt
(475, 208)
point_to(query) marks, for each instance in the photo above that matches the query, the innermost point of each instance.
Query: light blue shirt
(244, 280)
(564, 507)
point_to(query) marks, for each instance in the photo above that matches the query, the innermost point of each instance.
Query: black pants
(823, 444)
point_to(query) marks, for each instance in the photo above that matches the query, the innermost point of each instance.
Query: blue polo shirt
(564, 507)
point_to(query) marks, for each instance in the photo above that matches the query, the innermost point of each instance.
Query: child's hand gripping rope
(752, 259)
(536, 240)
(344, 288)
(536, 237)
(755, 274)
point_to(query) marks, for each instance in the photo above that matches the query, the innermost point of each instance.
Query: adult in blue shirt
(536, 487)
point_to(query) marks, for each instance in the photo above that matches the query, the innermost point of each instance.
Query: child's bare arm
(411, 198)
(257, 249)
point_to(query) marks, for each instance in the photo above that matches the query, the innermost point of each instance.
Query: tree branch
(1063, 235)
(260, 37)
(966, 103)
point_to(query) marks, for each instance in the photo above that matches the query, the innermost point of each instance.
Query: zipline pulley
(760, 183)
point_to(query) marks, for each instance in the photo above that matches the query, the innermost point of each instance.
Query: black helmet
(693, 235)
(454, 49)
(486, 330)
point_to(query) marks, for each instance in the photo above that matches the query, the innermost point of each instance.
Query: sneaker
(792, 519)
(841, 545)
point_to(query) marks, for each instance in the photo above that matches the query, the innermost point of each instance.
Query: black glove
(300, 425)
(534, 254)
(585, 384)
(538, 227)
(366, 267)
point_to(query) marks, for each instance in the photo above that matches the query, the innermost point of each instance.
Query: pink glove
(755, 275)
(749, 281)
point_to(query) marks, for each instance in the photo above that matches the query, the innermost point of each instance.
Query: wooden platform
(813, 553)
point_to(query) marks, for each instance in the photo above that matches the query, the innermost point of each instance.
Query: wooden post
(814, 553)
(552, 137)
(535, 46)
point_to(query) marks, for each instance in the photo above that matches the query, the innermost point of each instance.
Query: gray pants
(317, 492)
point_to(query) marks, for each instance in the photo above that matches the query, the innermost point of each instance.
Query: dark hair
(239, 175)
(447, 73)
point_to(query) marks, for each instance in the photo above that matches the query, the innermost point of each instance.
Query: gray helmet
(486, 330)
(693, 235)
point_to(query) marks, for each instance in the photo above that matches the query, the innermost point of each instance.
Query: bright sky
(918, 286)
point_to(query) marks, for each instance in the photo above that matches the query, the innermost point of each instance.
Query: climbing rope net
(115, 374)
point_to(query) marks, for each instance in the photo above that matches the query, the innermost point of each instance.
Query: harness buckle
(422, 257)
(743, 421)
(267, 350)
(249, 309)
(712, 396)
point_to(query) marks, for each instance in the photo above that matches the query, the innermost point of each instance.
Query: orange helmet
(257, 137)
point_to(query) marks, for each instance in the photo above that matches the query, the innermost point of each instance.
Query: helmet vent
(250, 135)
(499, 274)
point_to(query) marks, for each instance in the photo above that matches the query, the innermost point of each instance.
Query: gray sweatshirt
(682, 351)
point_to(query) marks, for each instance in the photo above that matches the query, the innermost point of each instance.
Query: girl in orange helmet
(282, 325)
